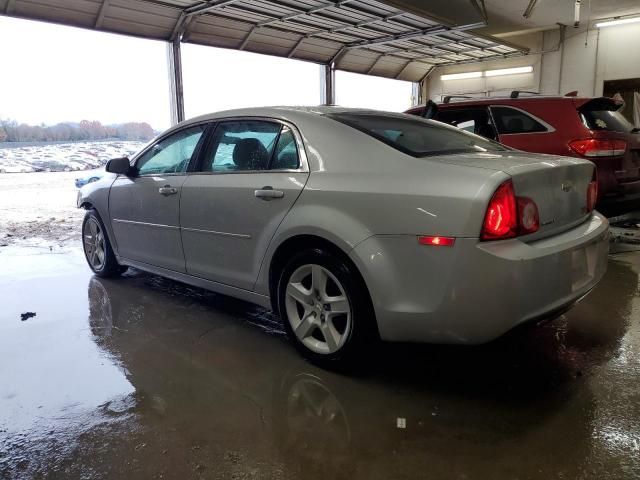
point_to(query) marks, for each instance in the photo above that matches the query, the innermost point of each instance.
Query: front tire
(97, 247)
(325, 308)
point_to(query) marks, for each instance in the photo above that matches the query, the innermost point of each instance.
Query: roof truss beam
(374, 64)
(421, 33)
(446, 51)
(295, 47)
(209, 6)
(297, 16)
(8, 9)
(302, 13)
(101, 13)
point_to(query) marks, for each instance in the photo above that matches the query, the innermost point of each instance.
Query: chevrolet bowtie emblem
(567, 186)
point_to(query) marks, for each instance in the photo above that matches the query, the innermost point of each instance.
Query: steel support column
(423, 87)
(174, 59)
(328, 84)
(416, 94)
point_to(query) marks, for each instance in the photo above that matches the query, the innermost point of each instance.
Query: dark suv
(590, 128)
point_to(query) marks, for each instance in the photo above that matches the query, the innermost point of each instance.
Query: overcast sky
(51, 74)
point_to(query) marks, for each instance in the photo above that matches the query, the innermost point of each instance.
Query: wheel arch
(306, 241)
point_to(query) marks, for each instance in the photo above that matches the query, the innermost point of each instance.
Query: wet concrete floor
(145, 378)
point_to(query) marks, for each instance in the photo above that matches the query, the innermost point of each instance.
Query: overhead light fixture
(618, 21)
(508, 71)
(488, 73)
(576, 14)
(460, 76)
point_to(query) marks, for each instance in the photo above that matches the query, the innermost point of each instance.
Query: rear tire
(97, 247)
(326, 309)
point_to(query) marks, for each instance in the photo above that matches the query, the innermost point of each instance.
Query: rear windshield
(416, 137)
(602, 114)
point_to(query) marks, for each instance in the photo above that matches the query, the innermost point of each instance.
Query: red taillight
(509, 216)
(437, 241)
(594, 147)
(501, 219)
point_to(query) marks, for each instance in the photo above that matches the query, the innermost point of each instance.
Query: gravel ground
(39, 208)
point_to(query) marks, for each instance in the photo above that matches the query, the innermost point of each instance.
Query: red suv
(590, 128)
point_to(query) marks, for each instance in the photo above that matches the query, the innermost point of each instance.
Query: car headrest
(250, 154)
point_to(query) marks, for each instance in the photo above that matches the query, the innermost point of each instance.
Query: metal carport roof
(362, 36)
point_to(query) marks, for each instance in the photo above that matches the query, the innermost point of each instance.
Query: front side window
(242, 145)
(509, 120)
(171, 154)
(416, 137)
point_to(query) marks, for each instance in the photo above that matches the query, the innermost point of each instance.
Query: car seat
(250, 154)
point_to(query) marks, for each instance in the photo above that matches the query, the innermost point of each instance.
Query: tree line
(12, 131)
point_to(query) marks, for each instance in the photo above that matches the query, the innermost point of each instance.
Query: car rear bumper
(474, 292)
(618, 186)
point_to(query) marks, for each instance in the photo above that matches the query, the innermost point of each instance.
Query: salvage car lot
(62, 157)
(37, 207)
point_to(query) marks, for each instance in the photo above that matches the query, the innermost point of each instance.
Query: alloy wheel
(94, 244)
(318, 309)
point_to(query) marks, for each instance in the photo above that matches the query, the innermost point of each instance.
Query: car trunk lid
(558, 185)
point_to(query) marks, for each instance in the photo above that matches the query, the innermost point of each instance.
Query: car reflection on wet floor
(142, 377)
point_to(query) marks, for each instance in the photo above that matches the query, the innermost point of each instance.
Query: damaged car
(353, 225)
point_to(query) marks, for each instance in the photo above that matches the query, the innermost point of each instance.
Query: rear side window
(509, 120)
(416, 137)
(474, 120)
(602, 114)
(463, 118)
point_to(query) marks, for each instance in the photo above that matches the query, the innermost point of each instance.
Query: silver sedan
(353, 225)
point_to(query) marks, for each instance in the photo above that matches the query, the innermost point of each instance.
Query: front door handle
(167, 190)
(268, 193)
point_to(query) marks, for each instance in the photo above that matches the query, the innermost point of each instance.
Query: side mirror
(121, 166)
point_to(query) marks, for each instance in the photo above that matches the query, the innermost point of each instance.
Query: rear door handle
(268, 193)
(167, 190)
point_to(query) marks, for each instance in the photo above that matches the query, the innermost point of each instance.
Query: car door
(251, 173)
(145, 207)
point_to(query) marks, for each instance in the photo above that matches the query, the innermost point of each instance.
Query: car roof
(517, 101)
(290, 113)
(293, 114)
(285, 112)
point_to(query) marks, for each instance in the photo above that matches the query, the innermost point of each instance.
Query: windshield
(603, 114)
(416, 137)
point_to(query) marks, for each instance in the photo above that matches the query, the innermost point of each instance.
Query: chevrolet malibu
(353, 225)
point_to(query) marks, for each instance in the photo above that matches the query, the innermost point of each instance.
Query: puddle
(141, 377)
